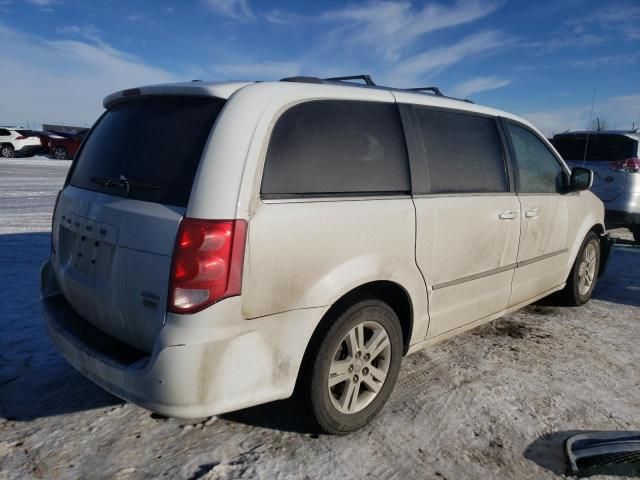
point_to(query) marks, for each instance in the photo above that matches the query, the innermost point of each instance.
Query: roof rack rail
(368, 82)
(434, 90)
(302, 79)
(365, 78)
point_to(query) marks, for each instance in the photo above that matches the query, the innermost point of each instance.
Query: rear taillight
(207, 263)
(21, 137)
(629, 165)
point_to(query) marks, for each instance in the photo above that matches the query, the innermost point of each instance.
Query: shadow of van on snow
(35, 381)
(621, 280)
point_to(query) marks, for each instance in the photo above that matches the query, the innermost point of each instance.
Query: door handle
(507, 215)
(534, 212)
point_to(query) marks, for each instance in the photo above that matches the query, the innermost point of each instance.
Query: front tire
(584, 274)
(354, 366)
(7, 151)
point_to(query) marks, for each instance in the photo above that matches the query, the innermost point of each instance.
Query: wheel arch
(390, 292)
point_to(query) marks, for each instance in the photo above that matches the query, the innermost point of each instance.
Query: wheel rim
(6, 152)
(359, 367)
(587, 269)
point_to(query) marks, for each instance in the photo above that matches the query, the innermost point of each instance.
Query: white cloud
(42, 3)
(236, 9)
(619, 112)
(168, 10)
(88, 31)
(479, 84)
(65, 80)
(620, 17)
(390, 27)
(603, 61)
(409, 71)
(282, 17)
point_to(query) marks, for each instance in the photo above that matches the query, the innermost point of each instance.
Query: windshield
(149, 141)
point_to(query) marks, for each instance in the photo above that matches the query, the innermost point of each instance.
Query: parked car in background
(66, 146)
(16, 141)
(613, 156)
(217, 245)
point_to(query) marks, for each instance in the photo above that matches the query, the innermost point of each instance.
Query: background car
(66, 145)
(18, 141)
(613, 157)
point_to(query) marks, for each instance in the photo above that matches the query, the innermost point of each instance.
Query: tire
(635, 230)
(584, 273)
(351, 403)
(60, 153)
(7, 151)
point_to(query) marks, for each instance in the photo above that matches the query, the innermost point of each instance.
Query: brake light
(21, 137)
(207, 263)
(628, 165)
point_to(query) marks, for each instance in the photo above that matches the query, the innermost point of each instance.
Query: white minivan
(222, 245)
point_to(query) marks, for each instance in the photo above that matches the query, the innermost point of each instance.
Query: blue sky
(542, 60)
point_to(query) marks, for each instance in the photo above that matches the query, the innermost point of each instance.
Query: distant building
(63, 128)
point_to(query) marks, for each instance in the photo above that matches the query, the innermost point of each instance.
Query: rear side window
(154, 143)
(464, 152)
(537, 169)
(599, 148)
(331, 147)
(4, 132)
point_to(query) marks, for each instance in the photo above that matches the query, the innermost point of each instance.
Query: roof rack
(434, 90)
(365, 78)
(368, 82)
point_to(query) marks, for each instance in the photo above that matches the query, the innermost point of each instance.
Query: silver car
(613, 158)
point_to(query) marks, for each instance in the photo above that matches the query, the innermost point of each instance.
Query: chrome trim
(495, 271)
(475, 276)
(355, 198)
(541, 257)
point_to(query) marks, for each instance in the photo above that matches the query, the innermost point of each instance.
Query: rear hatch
(116, 220)
(598, 152)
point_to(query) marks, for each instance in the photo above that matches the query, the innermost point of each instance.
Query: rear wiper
(107, 182)
(124, 182)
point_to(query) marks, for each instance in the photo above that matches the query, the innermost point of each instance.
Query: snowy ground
(496, 402)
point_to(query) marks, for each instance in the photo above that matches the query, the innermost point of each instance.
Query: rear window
(153, 143)
(599, 148)
(332, 147)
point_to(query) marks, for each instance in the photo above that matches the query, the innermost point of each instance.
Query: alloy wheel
(359, 367)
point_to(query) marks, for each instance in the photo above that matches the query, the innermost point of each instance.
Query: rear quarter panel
(309, 254)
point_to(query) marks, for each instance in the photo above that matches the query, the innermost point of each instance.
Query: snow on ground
(496, 402)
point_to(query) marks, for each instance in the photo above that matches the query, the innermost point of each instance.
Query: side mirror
(581, 179)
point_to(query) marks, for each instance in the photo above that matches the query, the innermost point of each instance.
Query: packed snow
(496, 402)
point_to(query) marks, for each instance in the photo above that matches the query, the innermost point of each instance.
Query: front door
(548, 215)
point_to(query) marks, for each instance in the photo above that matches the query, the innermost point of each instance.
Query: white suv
(18, 141)
(303, 234)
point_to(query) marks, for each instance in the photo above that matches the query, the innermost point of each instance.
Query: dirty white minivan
(220, 245)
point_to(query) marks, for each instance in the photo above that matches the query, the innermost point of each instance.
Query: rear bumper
(204, 364)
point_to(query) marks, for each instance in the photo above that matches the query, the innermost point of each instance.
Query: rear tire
(584, 273)
(7, 151)
(352, 368)
(60, 153)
